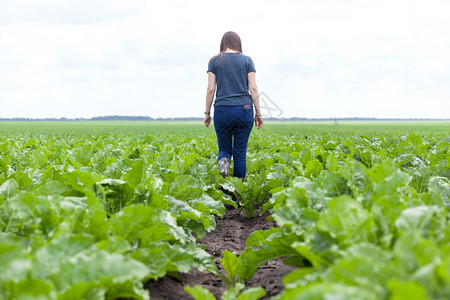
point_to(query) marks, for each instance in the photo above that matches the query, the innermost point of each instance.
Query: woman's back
(231, 70)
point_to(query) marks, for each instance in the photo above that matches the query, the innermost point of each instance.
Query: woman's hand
(258, 121)
(207, 120)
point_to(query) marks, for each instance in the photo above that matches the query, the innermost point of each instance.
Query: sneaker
(224, 166)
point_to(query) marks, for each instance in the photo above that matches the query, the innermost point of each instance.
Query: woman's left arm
(210, 91)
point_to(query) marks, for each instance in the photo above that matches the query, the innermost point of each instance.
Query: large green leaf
(327, 290)
(313, 168)
(233, 268)
(263, 246)
(347, 221)
(199, 293)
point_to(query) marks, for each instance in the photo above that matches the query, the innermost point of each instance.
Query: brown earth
(230, 234)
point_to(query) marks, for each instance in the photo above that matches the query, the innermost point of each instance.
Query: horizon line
(148, 118)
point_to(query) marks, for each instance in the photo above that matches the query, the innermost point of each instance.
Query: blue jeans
(233, 124)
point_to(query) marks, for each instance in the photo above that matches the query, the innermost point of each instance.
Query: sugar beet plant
(254, 191)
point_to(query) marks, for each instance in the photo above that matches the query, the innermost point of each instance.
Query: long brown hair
(229, 40)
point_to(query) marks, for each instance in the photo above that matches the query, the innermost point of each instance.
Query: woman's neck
(230, 50)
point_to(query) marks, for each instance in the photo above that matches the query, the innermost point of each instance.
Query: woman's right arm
(210, 91)
(255, 97)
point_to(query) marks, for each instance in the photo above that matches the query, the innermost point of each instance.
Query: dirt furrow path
(230, 234)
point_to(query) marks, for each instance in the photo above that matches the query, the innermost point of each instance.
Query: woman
(237, 93)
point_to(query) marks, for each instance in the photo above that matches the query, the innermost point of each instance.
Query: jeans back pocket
(248, 113)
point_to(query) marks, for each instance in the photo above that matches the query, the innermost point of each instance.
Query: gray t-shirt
(232, 78)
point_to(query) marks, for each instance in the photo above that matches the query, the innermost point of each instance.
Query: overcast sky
(313, 58)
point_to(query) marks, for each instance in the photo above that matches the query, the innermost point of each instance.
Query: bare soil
(230, 234)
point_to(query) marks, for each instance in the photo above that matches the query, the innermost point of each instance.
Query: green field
(93, 127)
(93, 210)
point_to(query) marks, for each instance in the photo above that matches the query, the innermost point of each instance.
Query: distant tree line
(145, 118)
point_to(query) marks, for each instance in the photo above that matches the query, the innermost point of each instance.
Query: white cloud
(64, 11)
(313, 58)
